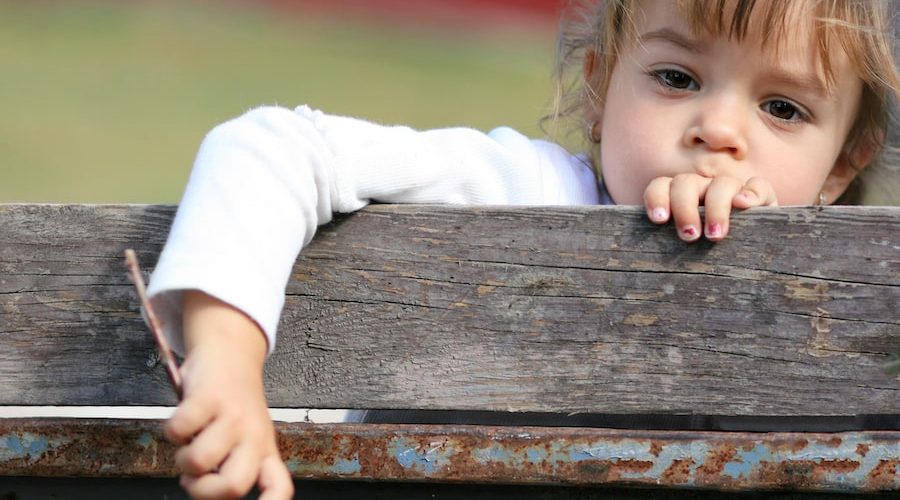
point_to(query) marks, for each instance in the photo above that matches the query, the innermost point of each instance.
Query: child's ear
(590, 61)
(595, 111)
(851, 162)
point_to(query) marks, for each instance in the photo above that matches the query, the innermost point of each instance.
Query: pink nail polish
(659, 214)
(690, 232)
(714, 230)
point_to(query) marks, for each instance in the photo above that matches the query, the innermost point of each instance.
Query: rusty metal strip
(852, 461)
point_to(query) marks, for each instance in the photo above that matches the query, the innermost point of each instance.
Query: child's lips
(705, 169)
(713, 165)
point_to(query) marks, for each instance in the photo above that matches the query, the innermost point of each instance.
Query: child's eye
(784, 110)
(675, 79)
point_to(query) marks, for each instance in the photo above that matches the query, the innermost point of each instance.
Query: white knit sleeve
(263, 182)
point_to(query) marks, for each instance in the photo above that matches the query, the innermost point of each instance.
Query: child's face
(684, 103)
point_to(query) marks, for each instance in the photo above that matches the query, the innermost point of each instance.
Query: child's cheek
(796, 179)
(630, 159)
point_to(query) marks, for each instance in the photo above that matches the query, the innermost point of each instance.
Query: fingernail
(714, 230)
(747, 195)
(690, 232)
(660, 214)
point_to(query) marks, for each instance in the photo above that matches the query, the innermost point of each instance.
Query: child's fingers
(241, 469)
(656, 199)
(686, 193)
(192, 415)
(756, 192)
(233, 480)
(208, 487)
(275, 481)
(196, 486)
(208, 449)
(717, 203)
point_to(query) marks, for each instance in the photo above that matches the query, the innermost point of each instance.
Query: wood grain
(491, 308)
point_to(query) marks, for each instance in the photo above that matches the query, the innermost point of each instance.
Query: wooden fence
(787, 325)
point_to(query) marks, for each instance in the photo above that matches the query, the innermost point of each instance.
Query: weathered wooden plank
(69, 326)
(854, 461)
(527, 309)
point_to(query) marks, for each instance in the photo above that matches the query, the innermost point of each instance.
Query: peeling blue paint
(27, 446)
(746, 461)
(613, 452)
(582, 454)
(495, 453)
(345, 467)
(735, 470)
(696, 452)
(13, 444)
(535, 455)
(36, 447)
(410, 455)
(819, 452)
(145, 440)
(340, 466)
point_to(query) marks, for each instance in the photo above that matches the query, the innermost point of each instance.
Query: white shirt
(263, 182)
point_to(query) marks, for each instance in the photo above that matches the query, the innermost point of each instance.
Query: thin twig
(165, 350)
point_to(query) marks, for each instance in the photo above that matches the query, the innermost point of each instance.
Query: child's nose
(718, 129)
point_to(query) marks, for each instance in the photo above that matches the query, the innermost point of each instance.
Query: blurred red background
(476, 14)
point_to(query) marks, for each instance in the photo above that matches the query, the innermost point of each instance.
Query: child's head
(794, 91)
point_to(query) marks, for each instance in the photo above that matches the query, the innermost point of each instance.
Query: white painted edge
(161, 412)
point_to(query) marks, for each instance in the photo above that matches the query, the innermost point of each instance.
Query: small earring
(822, 201)
(591, 132)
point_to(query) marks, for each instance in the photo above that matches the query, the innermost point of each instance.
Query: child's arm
(223, 425)
(680, 197)
(260, 186)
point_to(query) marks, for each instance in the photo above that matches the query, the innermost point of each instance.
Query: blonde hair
(862, 29)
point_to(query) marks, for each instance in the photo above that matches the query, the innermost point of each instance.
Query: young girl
(720, 103)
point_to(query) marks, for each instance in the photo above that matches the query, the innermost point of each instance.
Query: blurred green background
(106, 102)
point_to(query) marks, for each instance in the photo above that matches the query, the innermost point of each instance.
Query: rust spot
(843, 466)
(716, 460)
(799, 444)
(796, 471)
(862, 449)
(655, 448)
(678, 473)
(792, 474)
(634, 465)
(834, 442)
(593, 469)
(798, 467)
(748, 446)
(791, 445)
(883, 475)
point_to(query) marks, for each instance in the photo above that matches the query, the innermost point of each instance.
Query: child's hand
(682, 195)
(226, 437)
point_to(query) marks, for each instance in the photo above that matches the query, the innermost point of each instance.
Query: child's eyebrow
(804, 82)
(671, 36)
